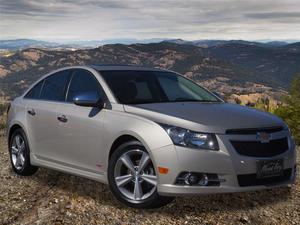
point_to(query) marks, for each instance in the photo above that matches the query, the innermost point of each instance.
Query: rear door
(81, 134)
(42, 104)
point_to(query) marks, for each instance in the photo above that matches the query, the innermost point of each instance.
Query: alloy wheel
(134, 175)
(18, 152)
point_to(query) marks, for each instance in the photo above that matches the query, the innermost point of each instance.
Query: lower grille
(251, 179)
(258, 149)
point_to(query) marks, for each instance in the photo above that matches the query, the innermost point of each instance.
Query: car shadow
(100, 193)
(74, 185)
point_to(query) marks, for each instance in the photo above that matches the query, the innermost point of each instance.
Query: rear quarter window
(55, 86)
(35, 92)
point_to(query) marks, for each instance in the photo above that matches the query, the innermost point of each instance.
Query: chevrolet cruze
(150, 134)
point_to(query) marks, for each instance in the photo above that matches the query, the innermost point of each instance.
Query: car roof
(109, 67)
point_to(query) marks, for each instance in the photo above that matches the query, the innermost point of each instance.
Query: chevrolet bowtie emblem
(263, 137)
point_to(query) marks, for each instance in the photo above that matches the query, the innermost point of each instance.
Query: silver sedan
(150, 134)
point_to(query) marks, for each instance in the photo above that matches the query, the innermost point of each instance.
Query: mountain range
(226, 66)
(18, 44)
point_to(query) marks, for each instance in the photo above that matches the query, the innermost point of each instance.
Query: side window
(83, 82)
(55, 86)
(34, 93)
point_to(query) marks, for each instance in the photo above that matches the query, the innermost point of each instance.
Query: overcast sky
(143, 19)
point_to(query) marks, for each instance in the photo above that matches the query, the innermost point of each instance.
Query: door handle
(31, 112)
(62, 118)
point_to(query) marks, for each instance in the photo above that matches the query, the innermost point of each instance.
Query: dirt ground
(51, 197)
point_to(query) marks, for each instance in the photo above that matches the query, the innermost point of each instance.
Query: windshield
(141, 87)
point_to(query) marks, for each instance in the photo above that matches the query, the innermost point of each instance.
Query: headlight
(184, 137)
(286, 127)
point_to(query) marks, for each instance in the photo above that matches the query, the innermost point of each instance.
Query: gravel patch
(51, 197)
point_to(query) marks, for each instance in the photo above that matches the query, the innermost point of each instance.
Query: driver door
(81, 128)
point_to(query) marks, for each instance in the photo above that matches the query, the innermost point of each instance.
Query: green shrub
(289, 111)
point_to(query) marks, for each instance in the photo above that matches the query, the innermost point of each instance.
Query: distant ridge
(211, 43)
(19, 44)
(24, 43)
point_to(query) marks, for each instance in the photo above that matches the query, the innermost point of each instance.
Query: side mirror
(218, 95)
(88, 99)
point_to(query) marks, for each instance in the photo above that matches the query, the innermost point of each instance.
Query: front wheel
(132, 177)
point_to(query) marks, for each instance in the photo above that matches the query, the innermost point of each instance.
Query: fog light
(191, 179)
(203, 181)
(198, 179)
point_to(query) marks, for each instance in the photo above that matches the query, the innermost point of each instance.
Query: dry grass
(3, 107)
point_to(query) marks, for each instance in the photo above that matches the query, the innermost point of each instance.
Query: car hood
(209, 117)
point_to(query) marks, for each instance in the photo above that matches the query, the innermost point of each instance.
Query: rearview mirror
(88, 99)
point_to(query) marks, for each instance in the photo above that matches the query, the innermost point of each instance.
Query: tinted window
(83, 82)
(140, 87)
(178, 88)
(34, 93)
(55, 86)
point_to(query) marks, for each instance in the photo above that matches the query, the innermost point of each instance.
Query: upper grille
(258, 149)
(254, 130)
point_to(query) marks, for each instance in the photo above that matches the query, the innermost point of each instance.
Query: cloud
(190, 19)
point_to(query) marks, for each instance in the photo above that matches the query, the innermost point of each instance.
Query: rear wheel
(132, 177)
(19, 154)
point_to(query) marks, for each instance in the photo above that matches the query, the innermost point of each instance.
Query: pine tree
(289, 111)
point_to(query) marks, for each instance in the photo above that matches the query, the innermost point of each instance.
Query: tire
(20, 155)
(127, 190)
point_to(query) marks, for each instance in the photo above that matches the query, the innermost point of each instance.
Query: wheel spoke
(14, 150)
(128, 163)
(22, 147)
(18, 142)
(122, 180)
(144, 161)
(18, 161)
(22, 159)
(138, 192)
(151, 179)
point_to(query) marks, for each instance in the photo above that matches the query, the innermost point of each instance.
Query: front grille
(258, 149)
(251, 179)
(246, 131)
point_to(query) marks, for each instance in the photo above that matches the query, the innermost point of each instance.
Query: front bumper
(226, 163)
